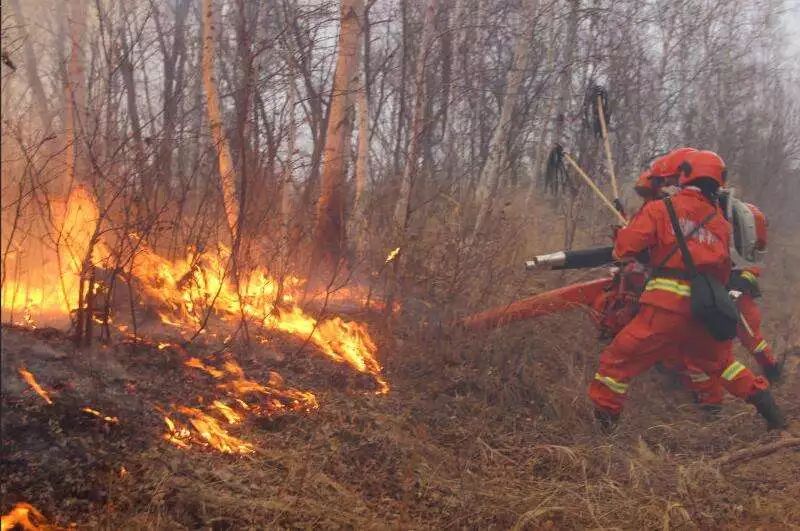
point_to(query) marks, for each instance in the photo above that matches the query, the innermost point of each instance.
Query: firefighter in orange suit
(744, 285)
(663, 172)
(664, 329)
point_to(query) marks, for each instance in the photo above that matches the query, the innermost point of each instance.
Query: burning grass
(24, 516)
(489, 431)
(185, 292)
(188, 289)
(31, 380)
(472, 442)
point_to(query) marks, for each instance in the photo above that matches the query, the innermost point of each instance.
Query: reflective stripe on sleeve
(618, 387)
(761, 347)
(733, 371)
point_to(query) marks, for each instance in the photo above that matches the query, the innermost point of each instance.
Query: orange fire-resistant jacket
(651, 229)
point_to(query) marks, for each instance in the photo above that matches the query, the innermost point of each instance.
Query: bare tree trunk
(287, 179)
(227, 175)
(359, 221)
(401, 90)
(490, 175)
(126, 68)
(329, 234)
(540, 149)
(174, 67)
(362, 161)
(31, 69)
(417, 121)
(75, 116)
(565, 83)
(459, 40)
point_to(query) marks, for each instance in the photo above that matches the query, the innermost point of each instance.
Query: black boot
(608, 421)
(772, 373)
(767, 408)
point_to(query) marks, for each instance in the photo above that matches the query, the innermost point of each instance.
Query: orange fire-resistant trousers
(709, 390)
(755, 343)
(658, 335)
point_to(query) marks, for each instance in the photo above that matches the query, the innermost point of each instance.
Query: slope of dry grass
(480, 432)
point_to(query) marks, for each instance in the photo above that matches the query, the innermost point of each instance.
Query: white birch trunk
(227, 174)
(490, 175)
(330, 229)
(417, 125)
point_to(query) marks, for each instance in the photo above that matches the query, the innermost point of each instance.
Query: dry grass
(492, 431)
(501, 438)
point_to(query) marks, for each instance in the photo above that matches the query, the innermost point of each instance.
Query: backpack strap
(684, 248)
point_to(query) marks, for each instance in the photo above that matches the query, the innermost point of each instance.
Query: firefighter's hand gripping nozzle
(593, 257)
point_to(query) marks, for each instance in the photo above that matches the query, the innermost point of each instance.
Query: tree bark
(126, 68)
(359, 221)
(490, 175)
(32, 70)
(174, 68)
(75, 98)
(565, 81)
(417, 121)
(329, 234)
(227, 175)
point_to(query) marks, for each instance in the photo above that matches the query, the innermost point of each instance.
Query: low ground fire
(381, 264)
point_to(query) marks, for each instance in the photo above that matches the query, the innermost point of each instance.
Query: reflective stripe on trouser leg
(761, 347)
(618, 387)
(750, 277)
(732, 371)
(698, 377)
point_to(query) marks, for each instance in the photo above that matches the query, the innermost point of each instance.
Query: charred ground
(476, 432)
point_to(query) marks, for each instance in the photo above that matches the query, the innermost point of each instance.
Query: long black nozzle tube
(593, 257)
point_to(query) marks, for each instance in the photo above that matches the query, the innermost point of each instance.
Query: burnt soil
(476, 432)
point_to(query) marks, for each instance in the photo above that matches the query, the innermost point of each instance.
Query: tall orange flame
(48, 289)
(185, 290)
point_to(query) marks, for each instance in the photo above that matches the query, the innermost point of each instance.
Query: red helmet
(644, 185)
(699, 164)
(761, 227)
(669, 165)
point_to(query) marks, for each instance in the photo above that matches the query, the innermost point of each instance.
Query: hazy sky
(793, 24)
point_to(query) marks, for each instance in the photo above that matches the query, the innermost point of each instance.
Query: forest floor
(469, 436)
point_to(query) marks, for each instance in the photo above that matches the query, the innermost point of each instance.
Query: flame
(203, 428)
(229, 413)
(185, 289)
(342, 341)
(197, 364)
(238, 386)
(28, 377)
(208, 429)
(392, 254)
(49, 287)
(177, 435)
(24, 516)
(110, 420)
